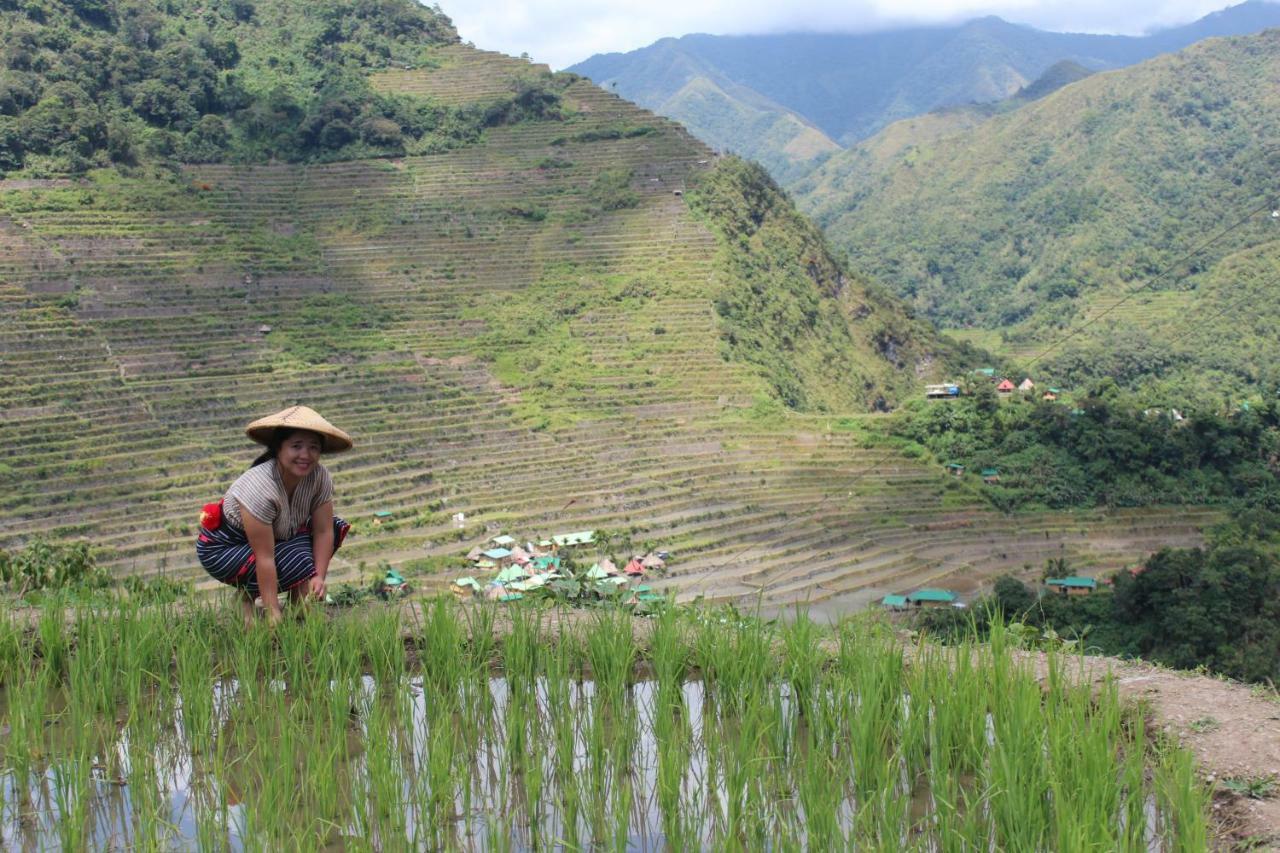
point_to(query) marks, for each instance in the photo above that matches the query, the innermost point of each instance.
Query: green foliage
(227, 81)
(1042, 219)
(610, 132)
(47, 565)
(823, 339)
(155, 590)
(1216, 607)
(611, 190)
(1103, 452)
(1253, 787)
(335, 327)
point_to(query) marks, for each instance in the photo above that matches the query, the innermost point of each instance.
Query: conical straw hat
(299, 417)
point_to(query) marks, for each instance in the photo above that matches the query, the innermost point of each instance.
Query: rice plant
(454, 728)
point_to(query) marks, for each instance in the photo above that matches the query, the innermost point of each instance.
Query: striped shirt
(261, 492)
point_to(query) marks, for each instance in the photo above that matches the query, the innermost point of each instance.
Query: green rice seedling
(439, 774)
(1016, 771)
(1083, 746)
(562, 730)
(595, 776)
(668, 644)
(210, 826)
(957, 709)
(13, 648)
(481, 650)
(735, 656)
(384, 644)
(195, 689)
(622, 792)
(1183, 801)
(251, 655)
(147, 798)
(819, 800)
(440, 644)
(521, 650)
(610, 649)
(871, 683)
(742, 753)
(1133, 820)
(382, 770)
(674, 747)
(91, 682)
(803, 659)
(55, 646)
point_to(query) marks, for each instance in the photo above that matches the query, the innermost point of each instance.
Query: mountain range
(1128, 212)
(790, 99)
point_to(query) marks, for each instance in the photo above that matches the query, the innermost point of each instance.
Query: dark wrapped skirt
(227, 556)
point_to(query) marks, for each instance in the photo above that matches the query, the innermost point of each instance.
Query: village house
(945, 391)
(1051, 395)
(500, 557)
(1027, 385)
(568, 540)
(990, 475)
(932, 598)
(1074, 585)
(1005, 388)
(955, 469)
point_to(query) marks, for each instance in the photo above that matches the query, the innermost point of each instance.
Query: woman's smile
(299, 453)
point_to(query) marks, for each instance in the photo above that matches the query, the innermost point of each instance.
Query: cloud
(562, 32)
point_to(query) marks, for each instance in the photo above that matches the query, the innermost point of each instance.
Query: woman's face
(300, 453)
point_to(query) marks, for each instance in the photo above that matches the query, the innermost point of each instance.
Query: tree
(1013, 597)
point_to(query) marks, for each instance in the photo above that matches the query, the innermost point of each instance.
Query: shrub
(45, 565)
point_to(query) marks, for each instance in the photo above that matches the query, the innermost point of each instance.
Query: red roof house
(1005, 387)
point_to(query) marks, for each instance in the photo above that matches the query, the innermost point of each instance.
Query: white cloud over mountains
(562, 32)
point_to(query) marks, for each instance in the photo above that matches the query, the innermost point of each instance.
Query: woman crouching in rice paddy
(275, 530)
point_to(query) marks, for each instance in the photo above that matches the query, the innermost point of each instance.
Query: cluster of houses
(1004, 387)
(931, 597)
(519, 569)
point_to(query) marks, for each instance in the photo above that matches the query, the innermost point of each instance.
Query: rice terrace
(650, 537)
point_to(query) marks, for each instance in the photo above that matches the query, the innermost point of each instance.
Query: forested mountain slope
(848, 86)
(1074, 212)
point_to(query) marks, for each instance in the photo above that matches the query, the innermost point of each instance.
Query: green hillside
(572, 315)
(754, 94)
(1065, 213)
(737, 119)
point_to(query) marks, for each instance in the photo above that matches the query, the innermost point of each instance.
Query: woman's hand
(321, 546)
(262, 539)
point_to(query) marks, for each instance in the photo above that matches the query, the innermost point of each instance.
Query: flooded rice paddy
(159, 730)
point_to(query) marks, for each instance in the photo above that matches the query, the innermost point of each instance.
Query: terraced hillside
(523, 330)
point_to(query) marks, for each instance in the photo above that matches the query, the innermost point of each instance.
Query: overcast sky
(562, 32)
